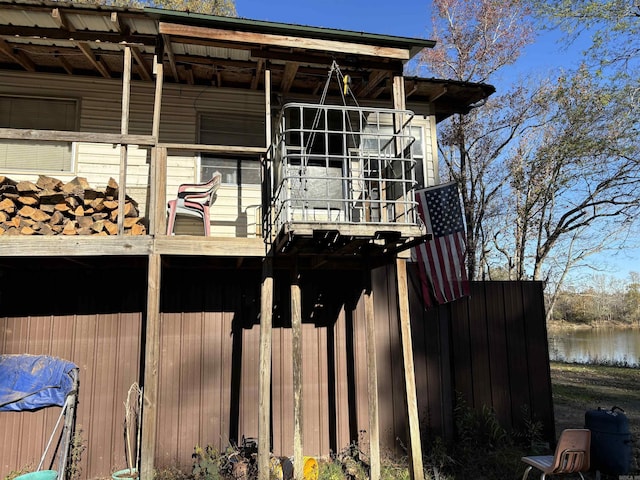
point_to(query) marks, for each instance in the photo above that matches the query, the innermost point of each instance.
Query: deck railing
(342, 165)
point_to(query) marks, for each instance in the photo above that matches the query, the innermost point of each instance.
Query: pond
(611, 345)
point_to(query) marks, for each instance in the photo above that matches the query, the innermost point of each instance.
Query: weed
(206, 463)
(171, 473)
(16, 473)
(330, 470)
(76, 449)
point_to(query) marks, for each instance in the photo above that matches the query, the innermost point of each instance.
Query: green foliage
(394, 470)
(485, 449)
(206, 463)
(330, 470)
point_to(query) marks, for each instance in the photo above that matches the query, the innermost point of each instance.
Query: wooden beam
(264, 369)
(64, 136)
(415, 450)
(256, 77)
(267, 112)
(374, 80)
(71, 246)
(157, 100)
(67, 67)
(289, 76)
(203, 246)
(60, 20)
(124, 130)
(18, 57)
(441, 91)
(188, 73)
(296, 334)
(230, 149)
(86, 50)
(325, 60)
(145, 74)
(159, 215)
(372, 381)
(410, 91)
(166, 43)
(115, 22)
(151, 368)
(9, 31)
(378, 92)
(287, 41)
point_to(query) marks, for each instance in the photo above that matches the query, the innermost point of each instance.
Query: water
(611, 345)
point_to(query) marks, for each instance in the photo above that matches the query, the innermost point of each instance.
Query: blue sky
(412, 18)
(372, 16)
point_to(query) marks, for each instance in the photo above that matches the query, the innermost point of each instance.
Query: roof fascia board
(414, 45)
(288, 41)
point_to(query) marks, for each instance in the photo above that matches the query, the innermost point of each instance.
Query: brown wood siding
(89, 314)
(491, 348)
(498, 354)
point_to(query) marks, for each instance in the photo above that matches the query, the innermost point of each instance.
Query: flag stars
(444, 209)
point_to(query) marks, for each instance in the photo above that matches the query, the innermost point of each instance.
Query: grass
(578, 388)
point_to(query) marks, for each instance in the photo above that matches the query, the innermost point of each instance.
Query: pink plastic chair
(194, 199)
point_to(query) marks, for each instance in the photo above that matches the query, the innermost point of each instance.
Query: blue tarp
(30, 382)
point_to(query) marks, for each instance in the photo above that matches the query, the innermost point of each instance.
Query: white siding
(100, 111)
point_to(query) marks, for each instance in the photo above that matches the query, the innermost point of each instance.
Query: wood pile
(52, 207)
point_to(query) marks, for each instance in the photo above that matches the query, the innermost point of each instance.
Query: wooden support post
(296, 333)
(124, 130)
(372, 385)
(264, 383)
(151, 366)
(401, 143)
(267, 170)
(415, 447)
(158, 208)
(154, 186)
(267, 107)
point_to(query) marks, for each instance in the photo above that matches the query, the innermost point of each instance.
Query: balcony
(336, 180)
(343, 180)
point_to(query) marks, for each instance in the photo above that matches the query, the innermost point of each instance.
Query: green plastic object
(126, 473)
(41, 475)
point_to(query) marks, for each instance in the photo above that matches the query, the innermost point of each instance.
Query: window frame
(242, 159)
(72, 166)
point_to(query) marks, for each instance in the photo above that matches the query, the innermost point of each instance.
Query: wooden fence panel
(491, 347)
(498, 354)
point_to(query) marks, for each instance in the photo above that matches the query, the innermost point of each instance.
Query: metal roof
(81, 39)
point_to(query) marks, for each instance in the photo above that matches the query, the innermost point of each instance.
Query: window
(235, 171)
(233, 129)
(37, 114)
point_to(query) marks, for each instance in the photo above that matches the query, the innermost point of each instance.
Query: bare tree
(474, 41)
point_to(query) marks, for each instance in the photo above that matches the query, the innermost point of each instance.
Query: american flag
(441, 260)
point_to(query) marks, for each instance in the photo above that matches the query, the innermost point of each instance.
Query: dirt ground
(578, 388)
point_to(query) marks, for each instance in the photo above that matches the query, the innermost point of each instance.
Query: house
(268, 326)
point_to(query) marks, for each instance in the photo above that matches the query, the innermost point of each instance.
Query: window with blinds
(35, 113)
(232, 129)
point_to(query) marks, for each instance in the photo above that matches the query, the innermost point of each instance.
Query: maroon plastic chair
(194, 199)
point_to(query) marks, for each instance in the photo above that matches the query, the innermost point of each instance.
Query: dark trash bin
(610, 440)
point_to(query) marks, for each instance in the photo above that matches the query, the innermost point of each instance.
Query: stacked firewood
(52, 207)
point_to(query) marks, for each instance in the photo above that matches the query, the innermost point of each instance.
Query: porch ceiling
(78, 39)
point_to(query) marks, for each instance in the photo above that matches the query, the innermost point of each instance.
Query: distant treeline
(609, 301)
